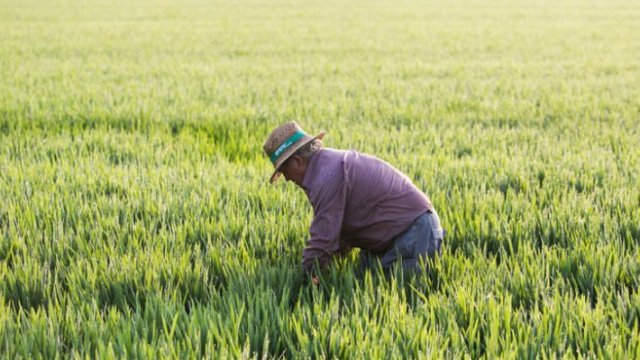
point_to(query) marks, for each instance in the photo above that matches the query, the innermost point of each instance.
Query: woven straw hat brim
(276, 173)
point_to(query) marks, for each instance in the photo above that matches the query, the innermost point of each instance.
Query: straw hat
(283, 142)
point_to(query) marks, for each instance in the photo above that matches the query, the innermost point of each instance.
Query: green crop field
(136, 220)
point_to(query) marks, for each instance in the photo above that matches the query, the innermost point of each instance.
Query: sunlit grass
(136, 219)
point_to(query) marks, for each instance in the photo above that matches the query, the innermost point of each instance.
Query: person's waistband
(395, 238)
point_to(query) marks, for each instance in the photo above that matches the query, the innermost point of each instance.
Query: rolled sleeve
(328, 201)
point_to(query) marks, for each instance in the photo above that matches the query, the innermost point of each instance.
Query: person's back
(374, 201)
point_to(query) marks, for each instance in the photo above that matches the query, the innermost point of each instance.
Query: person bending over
(358, 200)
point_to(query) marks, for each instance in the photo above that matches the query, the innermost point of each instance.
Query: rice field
(136, 218)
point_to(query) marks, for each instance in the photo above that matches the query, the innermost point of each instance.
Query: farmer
(358, 201)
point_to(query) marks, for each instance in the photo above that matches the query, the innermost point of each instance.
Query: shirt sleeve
(329, 202)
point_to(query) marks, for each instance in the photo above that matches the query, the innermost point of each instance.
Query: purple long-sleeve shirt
(358, 201)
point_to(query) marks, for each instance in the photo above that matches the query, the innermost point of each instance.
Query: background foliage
(136, 220)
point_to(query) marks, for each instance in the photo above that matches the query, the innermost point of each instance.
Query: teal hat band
(285, 145)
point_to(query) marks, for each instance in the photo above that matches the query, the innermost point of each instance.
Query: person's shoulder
(332, 153)
(342, 154)
(358, 156)
(329, 157)
(327, 165)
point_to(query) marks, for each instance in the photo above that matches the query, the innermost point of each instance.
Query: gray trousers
(422, 240)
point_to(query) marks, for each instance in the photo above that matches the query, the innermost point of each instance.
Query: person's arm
(329, 203)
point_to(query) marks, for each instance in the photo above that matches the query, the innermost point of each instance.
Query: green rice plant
(136, 220)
